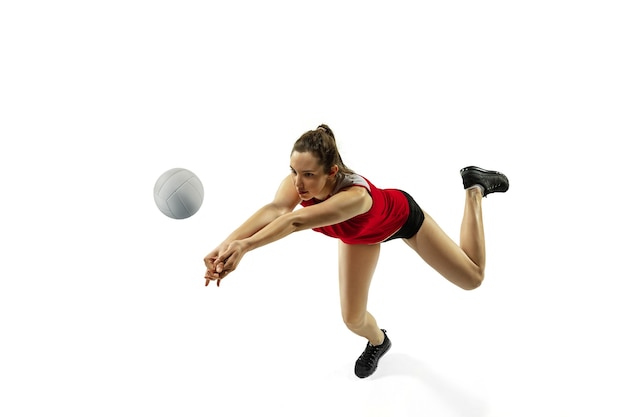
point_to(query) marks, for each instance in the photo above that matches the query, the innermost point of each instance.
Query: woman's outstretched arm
(338, 208)
(285, 200)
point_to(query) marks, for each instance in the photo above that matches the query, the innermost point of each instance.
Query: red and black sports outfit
(394, 214)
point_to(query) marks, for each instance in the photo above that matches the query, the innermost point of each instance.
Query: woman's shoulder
(349, 180)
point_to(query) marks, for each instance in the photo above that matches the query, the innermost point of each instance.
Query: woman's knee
(353, 321)
(473, 281)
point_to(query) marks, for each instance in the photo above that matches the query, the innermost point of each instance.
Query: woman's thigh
(357, 264)
(444, 255)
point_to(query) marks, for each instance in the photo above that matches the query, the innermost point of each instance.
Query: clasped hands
(222, 261)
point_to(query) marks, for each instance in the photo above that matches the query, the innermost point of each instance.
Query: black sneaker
(491, 181)
(368, 361)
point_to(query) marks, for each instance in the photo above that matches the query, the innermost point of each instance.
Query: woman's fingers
(215, 274)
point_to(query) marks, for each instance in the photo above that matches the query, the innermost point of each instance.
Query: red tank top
(389, 212)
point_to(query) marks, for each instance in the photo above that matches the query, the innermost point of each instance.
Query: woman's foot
(490, 181)
(368, 361)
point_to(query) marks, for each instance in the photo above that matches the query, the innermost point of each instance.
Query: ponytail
(321, 143)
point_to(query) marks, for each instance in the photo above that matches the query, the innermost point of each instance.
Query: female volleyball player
(345, 205)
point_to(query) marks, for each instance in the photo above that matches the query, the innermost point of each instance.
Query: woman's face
(309, 177)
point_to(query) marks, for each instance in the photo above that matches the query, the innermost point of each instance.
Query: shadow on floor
(464, 403)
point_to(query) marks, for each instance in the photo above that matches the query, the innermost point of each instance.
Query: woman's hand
(222, 261)
(213, 268)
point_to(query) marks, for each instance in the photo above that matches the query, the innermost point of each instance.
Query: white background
(103, 309)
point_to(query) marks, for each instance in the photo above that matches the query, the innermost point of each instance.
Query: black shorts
(413, 222)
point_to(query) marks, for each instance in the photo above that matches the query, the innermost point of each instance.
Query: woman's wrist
(246, 244)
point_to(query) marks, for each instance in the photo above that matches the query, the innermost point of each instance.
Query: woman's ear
(333, 171)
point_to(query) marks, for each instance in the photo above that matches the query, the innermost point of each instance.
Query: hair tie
(322, 128)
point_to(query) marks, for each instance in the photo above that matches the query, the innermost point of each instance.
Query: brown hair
(321, 143)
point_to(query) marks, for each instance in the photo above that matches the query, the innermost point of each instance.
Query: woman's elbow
(298, 223)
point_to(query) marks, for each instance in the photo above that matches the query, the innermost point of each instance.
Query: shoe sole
(481, 170)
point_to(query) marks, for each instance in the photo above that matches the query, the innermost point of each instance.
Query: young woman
(344, 205)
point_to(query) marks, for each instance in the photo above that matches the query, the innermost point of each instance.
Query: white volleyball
(178, 193)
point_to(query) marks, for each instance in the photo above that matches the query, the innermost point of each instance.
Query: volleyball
(178, 193)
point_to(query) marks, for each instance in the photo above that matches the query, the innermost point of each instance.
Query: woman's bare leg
(463, 264)
(357, 264)
(472, 231)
